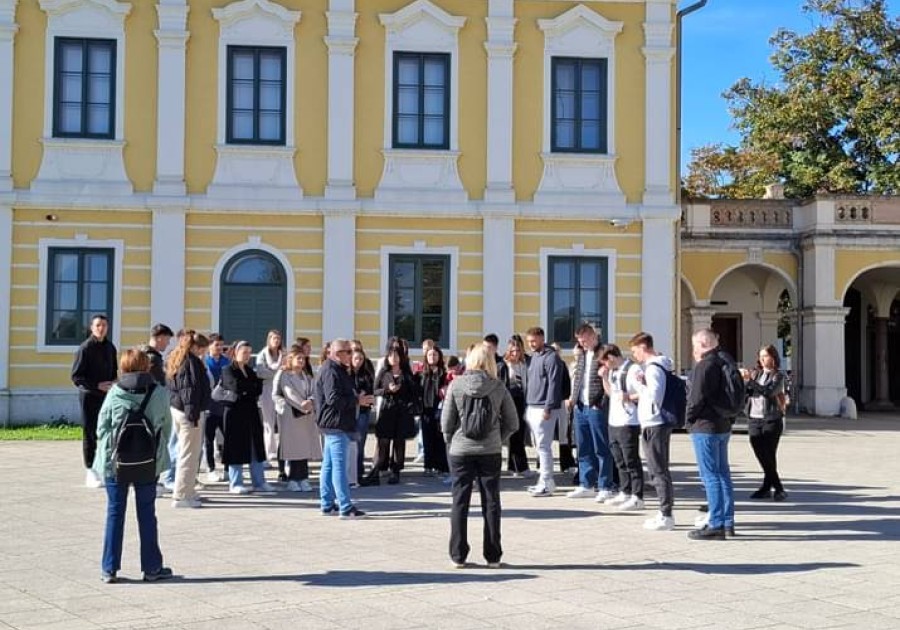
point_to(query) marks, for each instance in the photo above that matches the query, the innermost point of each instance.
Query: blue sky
(727, 40)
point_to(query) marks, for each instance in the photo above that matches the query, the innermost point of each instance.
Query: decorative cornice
(55, 8)
(341, 45)
(579, 15)
(501, 29)
(237, 11)
(341, 24)
(172, 17)
(418, 10)
(500, 50)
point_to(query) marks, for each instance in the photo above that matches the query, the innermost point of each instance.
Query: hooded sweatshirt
(479, 385)
(653, 390)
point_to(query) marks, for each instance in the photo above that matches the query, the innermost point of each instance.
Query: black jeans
(435, 449)
(90, 411)
(656, 448)
(390, 458)
(764, 438)
(623, 444)
(518, 459)
(213, 422)
(466, 469)
(298, 470)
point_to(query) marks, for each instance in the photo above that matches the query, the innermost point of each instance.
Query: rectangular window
(79, 285)
(84, 88)
(421, 101)
(420, 298)
(578, 294)
(256, 95)
(579, 111)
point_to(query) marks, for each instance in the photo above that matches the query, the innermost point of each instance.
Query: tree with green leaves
(831, 124)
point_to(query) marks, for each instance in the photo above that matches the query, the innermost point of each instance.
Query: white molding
(658, 282)
(171, 36)
(579, 251)
(341, 42)
(8, 29)
(80, 241)
(6, 241)
(501, 48)
(422, 250)
(658, 137)
(498, 275)
(421, 27)
(250, 171)
(253, 243)
(580, 178)
(338, 276)
(167, 267)
(75, 166)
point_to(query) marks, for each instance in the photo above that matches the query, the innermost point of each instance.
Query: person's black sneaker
(109, 578)
(394, 479)
(729, 532)
(372, 479)
(780, 495)
(352, 513)
(330, 510)
(163, 573)
(282, 477)
(703, 508)
(761, 494)
(707, 533)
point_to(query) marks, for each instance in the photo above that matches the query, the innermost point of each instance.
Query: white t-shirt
(586, 385)
(623, 412)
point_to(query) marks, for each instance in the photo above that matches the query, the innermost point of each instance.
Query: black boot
(394, 479)
(372, 479)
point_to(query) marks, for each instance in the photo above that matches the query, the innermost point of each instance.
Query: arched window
(253, 297)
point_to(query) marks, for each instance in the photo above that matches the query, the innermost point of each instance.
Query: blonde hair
(188, 341)
(479, 358)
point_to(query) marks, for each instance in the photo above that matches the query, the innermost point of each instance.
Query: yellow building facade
(427, 168)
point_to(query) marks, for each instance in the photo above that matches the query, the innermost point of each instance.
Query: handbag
(220, 394)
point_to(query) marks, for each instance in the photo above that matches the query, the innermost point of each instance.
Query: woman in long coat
(293, 394)
(243, 425)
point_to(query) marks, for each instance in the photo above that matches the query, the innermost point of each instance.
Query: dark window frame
(604, 289)
(50, 305)
(229, 95)
(395, 118)
(579, 63)
(86, 44)
(418, 260)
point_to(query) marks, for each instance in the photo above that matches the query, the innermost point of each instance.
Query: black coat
(430, 384)
(189, 390)
(243, 425)
(396, 419)
(95, 362)
(336, 398)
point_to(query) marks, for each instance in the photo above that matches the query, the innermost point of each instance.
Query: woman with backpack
(767, 403)
(117, 447)
(293, 394)
(478, 416)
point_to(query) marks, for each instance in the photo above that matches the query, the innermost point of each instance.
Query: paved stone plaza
(827, 558)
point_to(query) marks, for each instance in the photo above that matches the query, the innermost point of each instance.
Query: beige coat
(299, 435)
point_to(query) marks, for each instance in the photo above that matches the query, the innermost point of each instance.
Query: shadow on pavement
(735, 569)
(871, 529)
(366, 578)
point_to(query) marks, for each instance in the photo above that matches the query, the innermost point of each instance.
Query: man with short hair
(160, 336)
(710, 432)
(94, 372)
(336, 404)
(492, 341)
(215, 362)
(542, 398)
(655, 433)
(590, 421)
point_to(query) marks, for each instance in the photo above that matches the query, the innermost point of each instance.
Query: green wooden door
(253, 298)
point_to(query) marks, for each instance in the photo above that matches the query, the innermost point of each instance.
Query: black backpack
(674, 404)
(733, 396)
(477, 417)
(134, 455)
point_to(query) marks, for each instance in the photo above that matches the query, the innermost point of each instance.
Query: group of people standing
(279, 409)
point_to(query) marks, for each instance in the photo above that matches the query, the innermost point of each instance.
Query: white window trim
(419, 250)
(411, 29)
(253, 243)
(81, 242)
(578, 251)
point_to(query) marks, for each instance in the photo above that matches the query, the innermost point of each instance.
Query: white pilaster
(172, 39)
(658, 53)
(658, 282)
(8, 28)
(6, 234)
(341, 42)
(499, 255)
(501, 48)
(167, 273)
(339, 285)
(823, 385)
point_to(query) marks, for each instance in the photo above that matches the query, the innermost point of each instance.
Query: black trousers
(656, 448)
(625, 448)
(213, 422)
(435, 450)
(764, 438)
(90, 411)
(388, 456)
(518, 459)
(466, 470)
(299, 470)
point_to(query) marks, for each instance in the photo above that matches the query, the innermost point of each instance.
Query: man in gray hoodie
(543, 396)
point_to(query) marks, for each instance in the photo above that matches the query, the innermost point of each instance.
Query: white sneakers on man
(186, 503)
(214, 476)
(660, 523)
(580, 493)
(616, 499)
(604, 496)
(632, 504)
(92, 479)
(701, 521)
(542, 490)
(238, 490)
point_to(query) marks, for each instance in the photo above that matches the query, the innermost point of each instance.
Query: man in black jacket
(160, 336)
(710, 432)
(93, 373)
(336, 405)
(493, 341)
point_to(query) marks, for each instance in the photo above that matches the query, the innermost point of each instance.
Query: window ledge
(584, 179)
(82, 166)
(421, 175)
(255, 171)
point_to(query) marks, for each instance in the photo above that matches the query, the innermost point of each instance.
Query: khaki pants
(190, 444)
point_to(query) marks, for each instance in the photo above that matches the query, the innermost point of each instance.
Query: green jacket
(125, 395)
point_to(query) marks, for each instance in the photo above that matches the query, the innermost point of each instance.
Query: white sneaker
(238, 490)
(186, 503)
(266, 487)
(419, 459)
(633, 504)
(617, 499)
(529, 474)
(92, 479)
(604, 495)
(305, 486)
(572, 470)
(214, 477)
(701, 521)
(292, 486)
(168, 485)
(660, 523)
(542, 491)
(580, 493)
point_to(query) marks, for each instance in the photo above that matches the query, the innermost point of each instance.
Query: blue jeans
(711, 450)
(117, 502)
(169, 476)
(362, 431)
(592, 439)
(334, 482)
